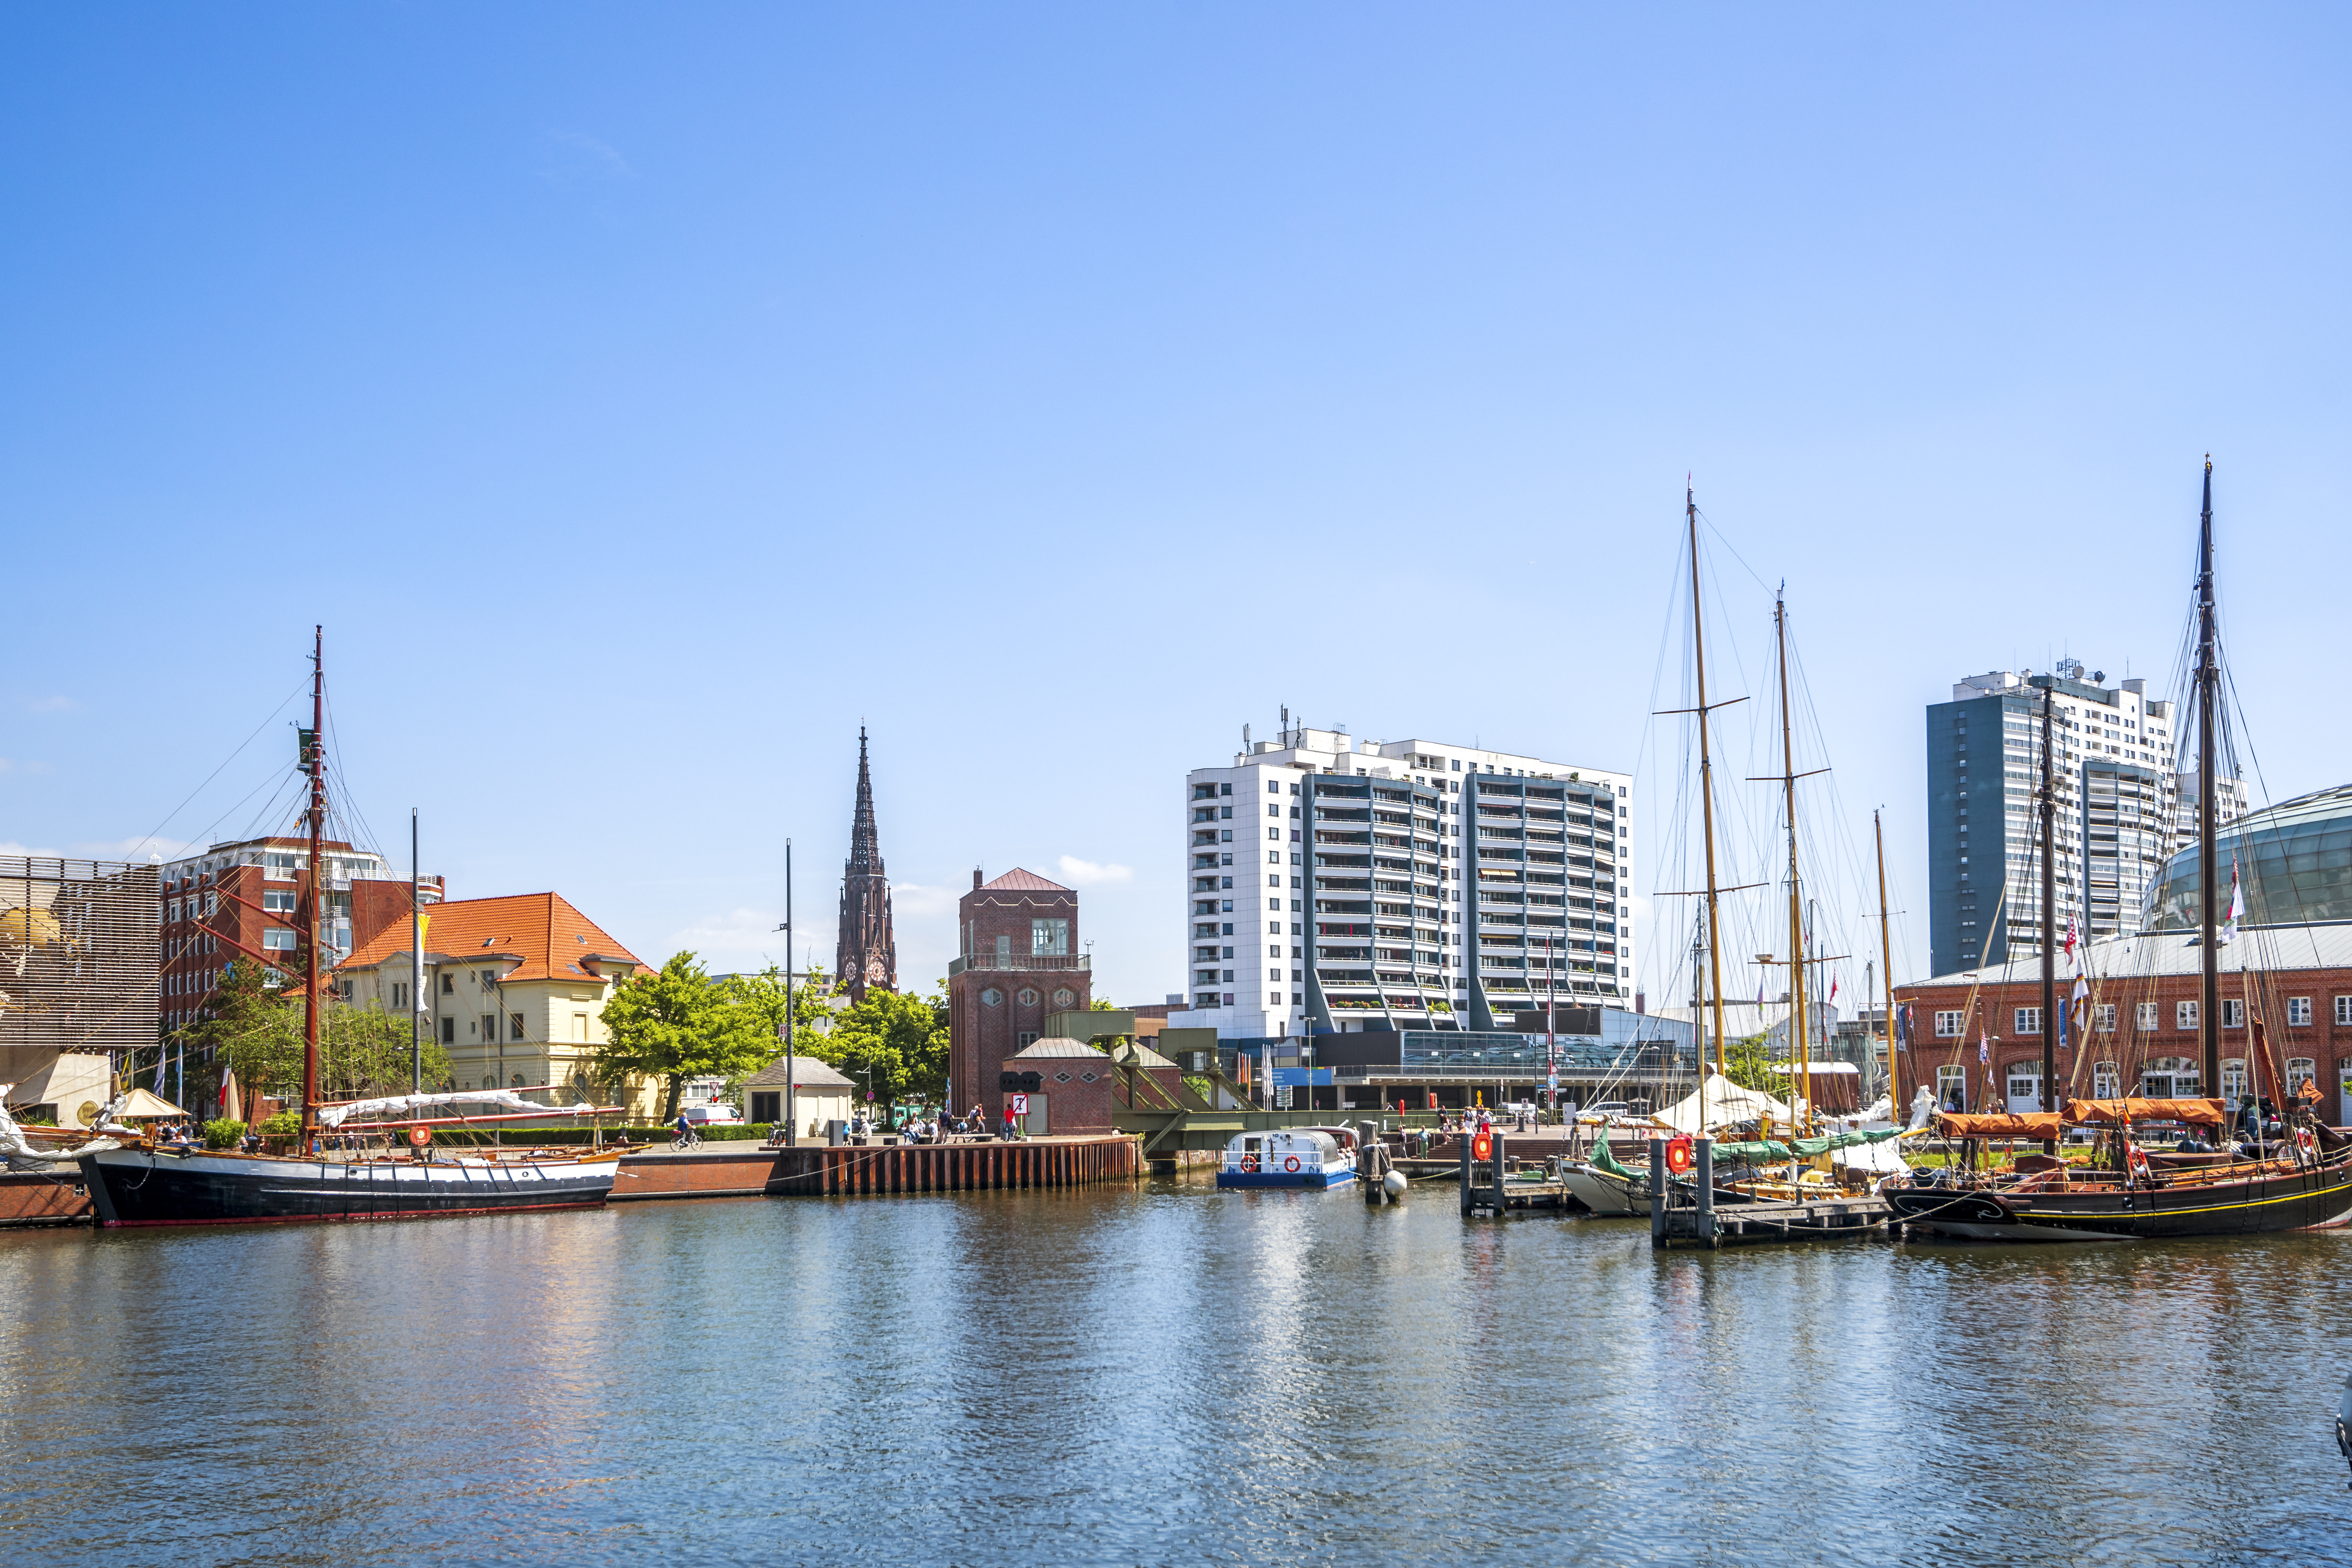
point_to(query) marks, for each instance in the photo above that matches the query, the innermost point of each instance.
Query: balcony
(1010, 961)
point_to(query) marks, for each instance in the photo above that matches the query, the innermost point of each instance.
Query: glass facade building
(2294, 861)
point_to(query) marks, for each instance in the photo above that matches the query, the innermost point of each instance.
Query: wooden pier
(850, 1170)
(1697, 1214)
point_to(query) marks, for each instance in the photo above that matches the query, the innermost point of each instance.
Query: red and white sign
(1020, 1105)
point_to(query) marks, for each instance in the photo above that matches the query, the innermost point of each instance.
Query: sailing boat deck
(1727, 1225)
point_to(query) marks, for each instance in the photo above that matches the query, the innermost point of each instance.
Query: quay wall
(853, 1169)
(31, 1197)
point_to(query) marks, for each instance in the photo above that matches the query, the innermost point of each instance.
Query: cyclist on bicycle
(685, 1129)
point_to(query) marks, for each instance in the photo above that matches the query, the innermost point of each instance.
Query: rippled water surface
(1159, 1374)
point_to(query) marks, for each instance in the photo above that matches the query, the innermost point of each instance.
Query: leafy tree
(676, 1023)
(363, 1052)
(897, 1044)
(1101, 1004)
(762, 999)
(1748, 1063)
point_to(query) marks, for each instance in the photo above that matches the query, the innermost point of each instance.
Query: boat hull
(130, 1188)
(2306, 1199)
(1317, 1179)
(1604, 1195)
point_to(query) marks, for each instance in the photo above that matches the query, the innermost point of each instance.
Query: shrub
(285, 1124)
(223, 1135)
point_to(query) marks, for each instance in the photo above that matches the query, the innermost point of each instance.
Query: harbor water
(1159, 1374)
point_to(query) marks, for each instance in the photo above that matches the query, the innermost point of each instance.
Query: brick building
(1019, 960)
(2142, 1025)
(233, 890)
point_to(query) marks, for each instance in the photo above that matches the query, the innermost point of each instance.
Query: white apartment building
(1339, 884)
(2125, 801)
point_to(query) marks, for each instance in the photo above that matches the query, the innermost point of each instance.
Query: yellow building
(514, 989)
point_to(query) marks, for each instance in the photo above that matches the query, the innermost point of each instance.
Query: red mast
(313, 756)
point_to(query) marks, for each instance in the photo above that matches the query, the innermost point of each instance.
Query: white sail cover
(1719, 1102)
(14, 1145)
(506, 1099)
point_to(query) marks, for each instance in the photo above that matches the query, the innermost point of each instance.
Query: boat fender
(1394, 1182)
(1291, 1164)
(1249, 1162)
(1678, 1156)
(420, 1136)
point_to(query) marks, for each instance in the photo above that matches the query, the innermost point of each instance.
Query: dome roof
(2294, 862)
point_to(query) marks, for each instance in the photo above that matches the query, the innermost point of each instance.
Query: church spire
(868, 952)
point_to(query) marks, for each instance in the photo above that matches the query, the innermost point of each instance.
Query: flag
(1833, 985)
(2237, 903)
(1984, 1048)
(2069, 943)
(2062, 1028)
(1903, 1033)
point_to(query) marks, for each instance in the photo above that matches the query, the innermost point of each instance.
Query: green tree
(675, 1024)
(762, 999)
(896, 1044)
(1748, 1063)
(257, 1030)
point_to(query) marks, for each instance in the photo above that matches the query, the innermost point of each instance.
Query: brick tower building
(868, 953)
(1020, 960)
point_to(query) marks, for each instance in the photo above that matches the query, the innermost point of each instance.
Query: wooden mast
(1886, 963)
(314, 764)
(2208, 1007)
(1706, 802)
(1800, 1039)
(2049, 910)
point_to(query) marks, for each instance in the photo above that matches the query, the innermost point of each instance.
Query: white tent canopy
(1719, 1102)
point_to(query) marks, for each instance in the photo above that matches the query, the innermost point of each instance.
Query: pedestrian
(1008, 1121)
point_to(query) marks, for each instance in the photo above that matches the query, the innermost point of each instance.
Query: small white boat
(1302, 1157)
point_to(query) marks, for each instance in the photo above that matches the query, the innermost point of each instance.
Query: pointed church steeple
(868, 953)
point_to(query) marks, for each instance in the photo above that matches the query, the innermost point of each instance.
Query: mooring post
(1465, 1173)
(1705, 1174)
(1502, 1199)
(1657, 1192)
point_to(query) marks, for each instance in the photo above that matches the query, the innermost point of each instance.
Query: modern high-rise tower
(868, 953)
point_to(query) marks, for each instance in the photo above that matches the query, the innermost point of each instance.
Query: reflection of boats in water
(1301, 1157)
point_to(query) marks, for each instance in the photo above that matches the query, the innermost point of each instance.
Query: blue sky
(645, 398)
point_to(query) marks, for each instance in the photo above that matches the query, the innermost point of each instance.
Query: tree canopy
(676, 1023)
(895, 1043)
(257, 1030)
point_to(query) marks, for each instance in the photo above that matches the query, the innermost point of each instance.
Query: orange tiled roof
(551, 938)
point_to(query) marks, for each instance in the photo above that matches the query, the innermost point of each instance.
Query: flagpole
(2049, 917)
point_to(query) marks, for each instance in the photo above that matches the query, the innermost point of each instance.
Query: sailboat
(134, 1180)
(2304, 1180)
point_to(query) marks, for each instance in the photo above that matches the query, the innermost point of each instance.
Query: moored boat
(1302, 1157)
(152, 1185)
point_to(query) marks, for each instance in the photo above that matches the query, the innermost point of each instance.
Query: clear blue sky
(647, 396)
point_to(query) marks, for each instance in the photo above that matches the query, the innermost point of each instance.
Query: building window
(277, 941)
(992, 997)
(2234, 1014)
(489, 1025)
(2106, 1081)
(1952, 1088)
(1274, 833)
(2145, 1014)
(2103, 1018)
(2028, 1020)
(1228, 978)
(1225, 789)
(449, 1031)
(448, 985)
(1028, 997)
(2298, 1011)
(514, 1025)
(2234, 1078)
(2025, 1082)
(2299, 1072)
(399, 993)
(2344, 1009)
(1224, 836)
(1229, 995)
(1275, 950)
(2184, 1015)
(1051, 937)
(1027, 1037)
(580, 1033)
(1948, 1022)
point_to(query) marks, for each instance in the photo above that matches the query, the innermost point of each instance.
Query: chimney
(975, 879)
(1641, 1001)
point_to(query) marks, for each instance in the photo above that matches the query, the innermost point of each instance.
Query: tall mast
(791, 1067)
(415, 966)
(1886, 965)
(1798, 1036)
(1705, 793)
(2049, 913)
(316, 764)
(2208, 1009)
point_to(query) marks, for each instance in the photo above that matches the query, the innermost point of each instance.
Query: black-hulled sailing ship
(2300, 1179)
(367, 1174)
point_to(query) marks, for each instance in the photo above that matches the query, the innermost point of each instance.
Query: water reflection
(1160, 1374)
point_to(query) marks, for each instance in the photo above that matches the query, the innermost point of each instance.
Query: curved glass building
(2294, 860)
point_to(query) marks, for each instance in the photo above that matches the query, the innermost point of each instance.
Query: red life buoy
(2304, 1139)
(2138, 1162)
(1678, 1156)
(420, 1136)
(1249, 1162)
(1482, 1147)
(1291, 1164)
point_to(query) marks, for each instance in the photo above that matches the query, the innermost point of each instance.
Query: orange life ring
(1249, 1162)
(1678, 1156)
(1291, 1164)
(2138, 1160)
(1482, 1147)
(420, 1136)
(2304, 1139)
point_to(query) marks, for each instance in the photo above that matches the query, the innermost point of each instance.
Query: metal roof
(1054, 1045)
(2151, 954)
